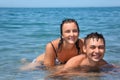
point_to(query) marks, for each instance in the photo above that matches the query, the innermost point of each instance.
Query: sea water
(24, 33)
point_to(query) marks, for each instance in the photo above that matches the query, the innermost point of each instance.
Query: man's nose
(97, 50)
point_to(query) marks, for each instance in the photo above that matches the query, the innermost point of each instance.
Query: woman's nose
(71, 33)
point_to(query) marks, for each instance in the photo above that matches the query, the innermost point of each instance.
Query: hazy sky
(59, 3)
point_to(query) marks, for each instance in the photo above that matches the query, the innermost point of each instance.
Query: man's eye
(92, 47)
(101, 47)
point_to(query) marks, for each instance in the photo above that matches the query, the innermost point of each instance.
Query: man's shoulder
(74, 61)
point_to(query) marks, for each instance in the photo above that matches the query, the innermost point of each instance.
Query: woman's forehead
(69, 25)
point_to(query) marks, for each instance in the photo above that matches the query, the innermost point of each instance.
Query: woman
(59, 51)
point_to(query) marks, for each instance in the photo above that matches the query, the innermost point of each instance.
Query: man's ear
(84, 48)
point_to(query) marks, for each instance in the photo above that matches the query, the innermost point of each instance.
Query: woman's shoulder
(81, 43)
(54, 42)
(81, 40)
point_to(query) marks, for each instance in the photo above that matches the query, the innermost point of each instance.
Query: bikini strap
(54, 49)
(57, 60)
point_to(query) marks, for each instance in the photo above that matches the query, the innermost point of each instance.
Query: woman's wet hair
(93, 35)
(61, 33)
(68, 21)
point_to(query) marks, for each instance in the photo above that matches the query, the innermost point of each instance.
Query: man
(92, 59)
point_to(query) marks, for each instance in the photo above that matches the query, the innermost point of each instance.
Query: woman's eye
(68, 31)
(75, 30)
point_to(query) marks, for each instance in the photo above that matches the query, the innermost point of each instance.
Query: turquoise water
(24, 33)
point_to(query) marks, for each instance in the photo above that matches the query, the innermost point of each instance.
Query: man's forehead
(94, 40)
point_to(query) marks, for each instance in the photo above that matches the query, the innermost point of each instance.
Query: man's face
(95, 49)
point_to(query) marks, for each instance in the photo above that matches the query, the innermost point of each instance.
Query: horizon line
(64, 7)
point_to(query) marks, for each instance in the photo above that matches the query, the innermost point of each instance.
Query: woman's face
(70, 33)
